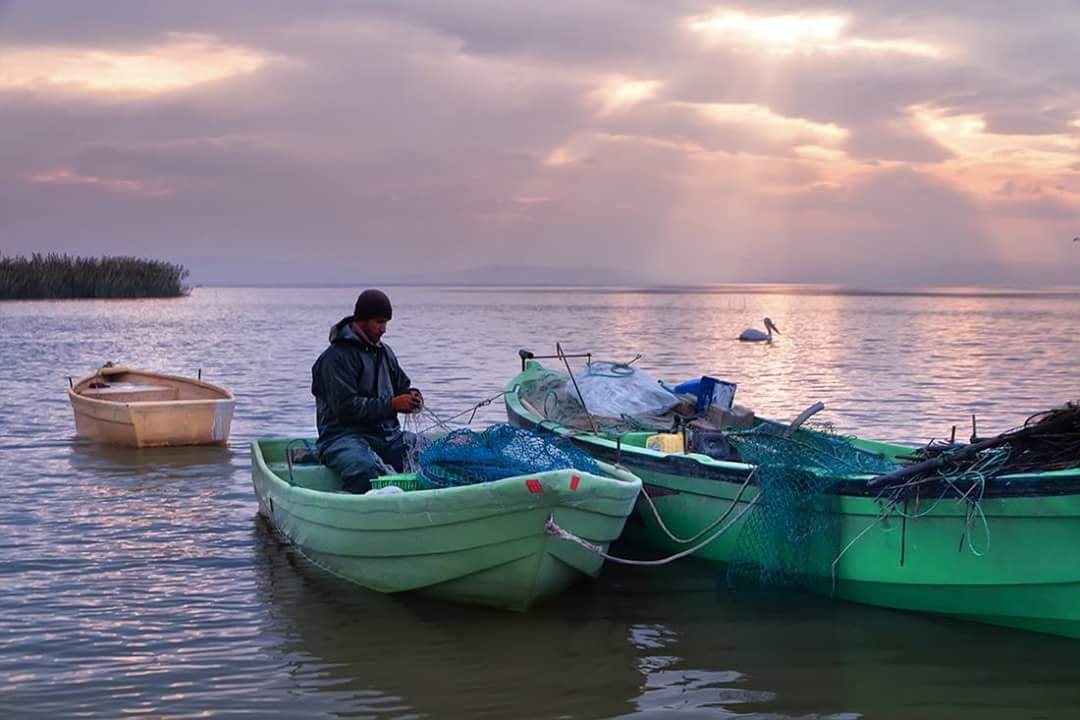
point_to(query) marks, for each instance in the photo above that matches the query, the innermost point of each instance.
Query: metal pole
(592, 423)
(526, 355)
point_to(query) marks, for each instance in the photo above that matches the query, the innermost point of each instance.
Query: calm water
(143, 583)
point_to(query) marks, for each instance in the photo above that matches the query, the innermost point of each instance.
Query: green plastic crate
(405, 482)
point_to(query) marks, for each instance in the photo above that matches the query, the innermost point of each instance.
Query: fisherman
(359, 389)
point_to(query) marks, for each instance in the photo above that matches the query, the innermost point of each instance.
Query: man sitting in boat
(359, 389)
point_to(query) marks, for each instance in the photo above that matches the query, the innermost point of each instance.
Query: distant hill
(519, 275)
(275, 275)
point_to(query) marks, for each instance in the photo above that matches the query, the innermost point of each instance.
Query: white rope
(553, 529)
(836, 561)
(707, 528)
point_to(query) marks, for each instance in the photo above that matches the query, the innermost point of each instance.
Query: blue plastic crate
(709, 391)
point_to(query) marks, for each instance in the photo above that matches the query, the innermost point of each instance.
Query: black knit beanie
(372, 304)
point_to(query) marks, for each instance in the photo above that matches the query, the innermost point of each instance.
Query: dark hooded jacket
(354, 383)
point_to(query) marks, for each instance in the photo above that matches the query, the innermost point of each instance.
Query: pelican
(755, 335)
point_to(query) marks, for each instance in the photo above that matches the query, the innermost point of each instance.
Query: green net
(791, 536)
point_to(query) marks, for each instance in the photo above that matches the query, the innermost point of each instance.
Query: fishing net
(1047, 441)
(791, 535)
(464, 456)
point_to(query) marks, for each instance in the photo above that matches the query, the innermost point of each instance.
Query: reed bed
(56, 276)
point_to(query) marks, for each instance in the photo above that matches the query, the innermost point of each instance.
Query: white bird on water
(755, 335)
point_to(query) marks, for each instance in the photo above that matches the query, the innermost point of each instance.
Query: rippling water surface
(143, 583)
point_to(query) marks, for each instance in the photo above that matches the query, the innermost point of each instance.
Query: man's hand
(407, 402)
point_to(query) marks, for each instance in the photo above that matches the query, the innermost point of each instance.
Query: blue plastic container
(709, 391)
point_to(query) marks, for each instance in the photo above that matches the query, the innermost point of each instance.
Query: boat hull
(1020, 569)
(480, 544)
(1015, 562)
(141, 409)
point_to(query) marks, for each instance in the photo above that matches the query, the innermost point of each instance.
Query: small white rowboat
(121, 406)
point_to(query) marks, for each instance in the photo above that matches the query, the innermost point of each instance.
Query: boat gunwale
(143, 404)
(76, 387)
(364, 503)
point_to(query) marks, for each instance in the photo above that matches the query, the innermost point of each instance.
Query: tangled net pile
(464, 456)
(1047, 441)
(791, 536)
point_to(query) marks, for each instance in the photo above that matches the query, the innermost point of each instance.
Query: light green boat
(484, 544)
(1019, 568)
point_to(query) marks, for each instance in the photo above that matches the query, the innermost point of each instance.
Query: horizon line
(777, 288)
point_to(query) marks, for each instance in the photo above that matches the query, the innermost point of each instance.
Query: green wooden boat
(484, 544)
(1019, 569)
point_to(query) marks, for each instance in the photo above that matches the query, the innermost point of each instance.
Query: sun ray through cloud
(794, 33)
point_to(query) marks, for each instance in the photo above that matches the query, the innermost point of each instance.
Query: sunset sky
(872, 144)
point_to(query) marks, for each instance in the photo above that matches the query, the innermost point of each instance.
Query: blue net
(791, 536)
(465, 457)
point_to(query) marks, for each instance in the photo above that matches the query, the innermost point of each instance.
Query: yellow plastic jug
(666, 442)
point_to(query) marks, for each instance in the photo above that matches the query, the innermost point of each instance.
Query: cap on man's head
(373, 304)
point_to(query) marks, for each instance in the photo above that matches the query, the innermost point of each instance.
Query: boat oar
(1070, 415)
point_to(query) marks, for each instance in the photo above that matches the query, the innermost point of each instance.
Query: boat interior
(683, 429)
(1049, 466)
(129, 386)
(296, 462)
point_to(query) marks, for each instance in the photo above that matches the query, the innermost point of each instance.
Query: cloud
(118, 185)
(621, 93)
(894, 224)
(180, 62)
(384, 136)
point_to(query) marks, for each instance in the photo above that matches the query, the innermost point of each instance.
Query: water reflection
(767, 656)
(389, 655)
(133, 581)
(150, 463)
(648, 644)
